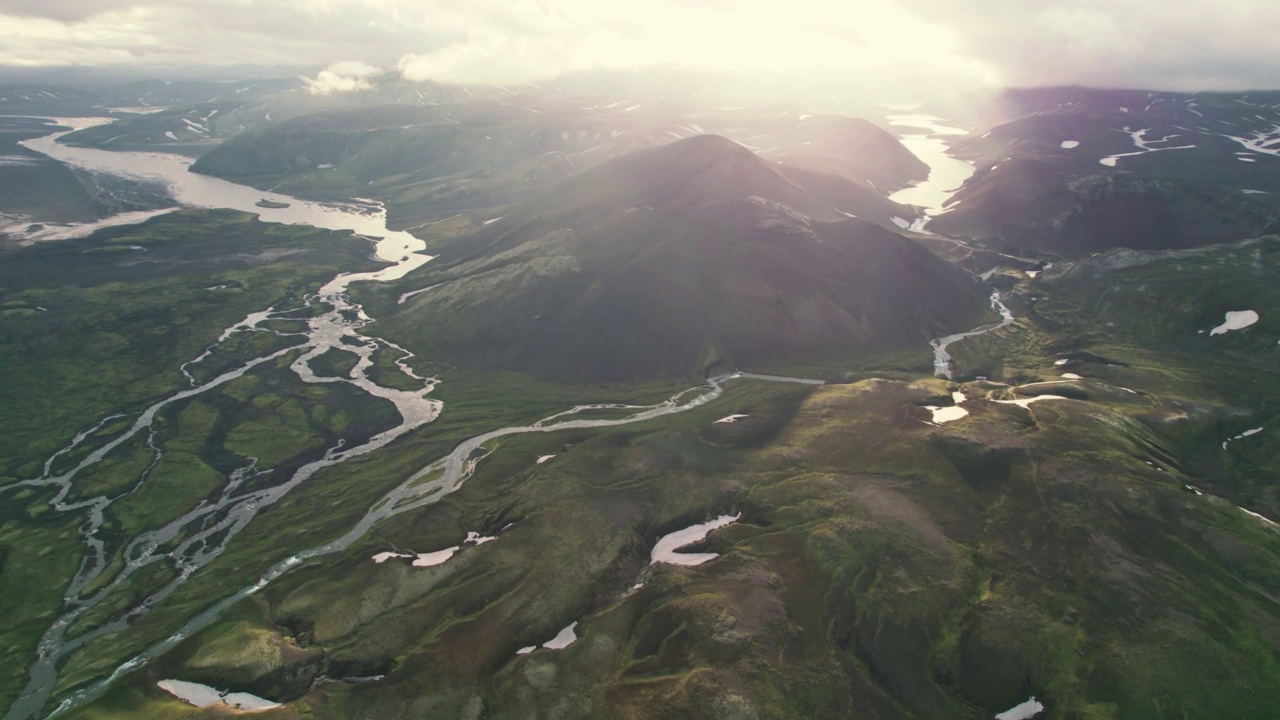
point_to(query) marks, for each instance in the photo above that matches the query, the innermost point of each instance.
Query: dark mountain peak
(702, 158)
(707, 147)
(856, 148)
(697, 171)
(844, 125)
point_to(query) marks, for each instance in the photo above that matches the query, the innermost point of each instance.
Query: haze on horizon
(903, 44)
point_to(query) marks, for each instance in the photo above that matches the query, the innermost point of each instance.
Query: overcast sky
(1158, 44)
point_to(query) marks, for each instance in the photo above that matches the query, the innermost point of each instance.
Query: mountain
(1075, 171)
(675, 261)
(194, 117)
(429, 161)
(856, 148)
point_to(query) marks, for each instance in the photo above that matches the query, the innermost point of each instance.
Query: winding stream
(942, 359)
(198, 537)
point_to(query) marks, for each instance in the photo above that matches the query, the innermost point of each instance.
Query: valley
(802, 419)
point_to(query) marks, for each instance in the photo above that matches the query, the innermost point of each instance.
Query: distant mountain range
(427, 161)
(1065, 171)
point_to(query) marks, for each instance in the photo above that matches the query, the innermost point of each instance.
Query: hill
(856, 148)
(1076, 171)
(675, 261)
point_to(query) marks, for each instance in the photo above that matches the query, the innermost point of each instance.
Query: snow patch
(1263, 518)
(563, 639)
(438, 557)
(412, 293)
(1026, 402)
(1144, 146)
(1241, 436)
(946, 414)
(1236, 320)
(385, 556)
(1028, 709)
(204, 696)
(665, 549)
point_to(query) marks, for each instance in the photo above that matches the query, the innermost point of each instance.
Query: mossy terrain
(114, 328)
(109, 336)
(883, 567)
(125, 326)
(1137, 328)
(1088, 551)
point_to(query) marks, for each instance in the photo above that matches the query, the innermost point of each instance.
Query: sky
(1165, 44)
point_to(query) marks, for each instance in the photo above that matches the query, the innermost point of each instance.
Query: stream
(942, 359)
(204, 533)
(947, 174)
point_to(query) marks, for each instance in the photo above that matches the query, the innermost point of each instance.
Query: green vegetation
(334, 363)
(117, 327)
(40, 551)
(110, 338)
(1050, 551)
(869, 540)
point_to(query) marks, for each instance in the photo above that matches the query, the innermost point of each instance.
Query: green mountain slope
(882, 568)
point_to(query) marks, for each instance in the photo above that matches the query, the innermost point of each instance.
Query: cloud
(1177, 44)
(495, 41)
(513, 40)
(345, 76)
(1153, 44)
(62, 10)
(285, 33)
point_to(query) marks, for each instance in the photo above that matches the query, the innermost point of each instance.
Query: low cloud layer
(342, 77)
(1175, 44)
(1153, 44)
